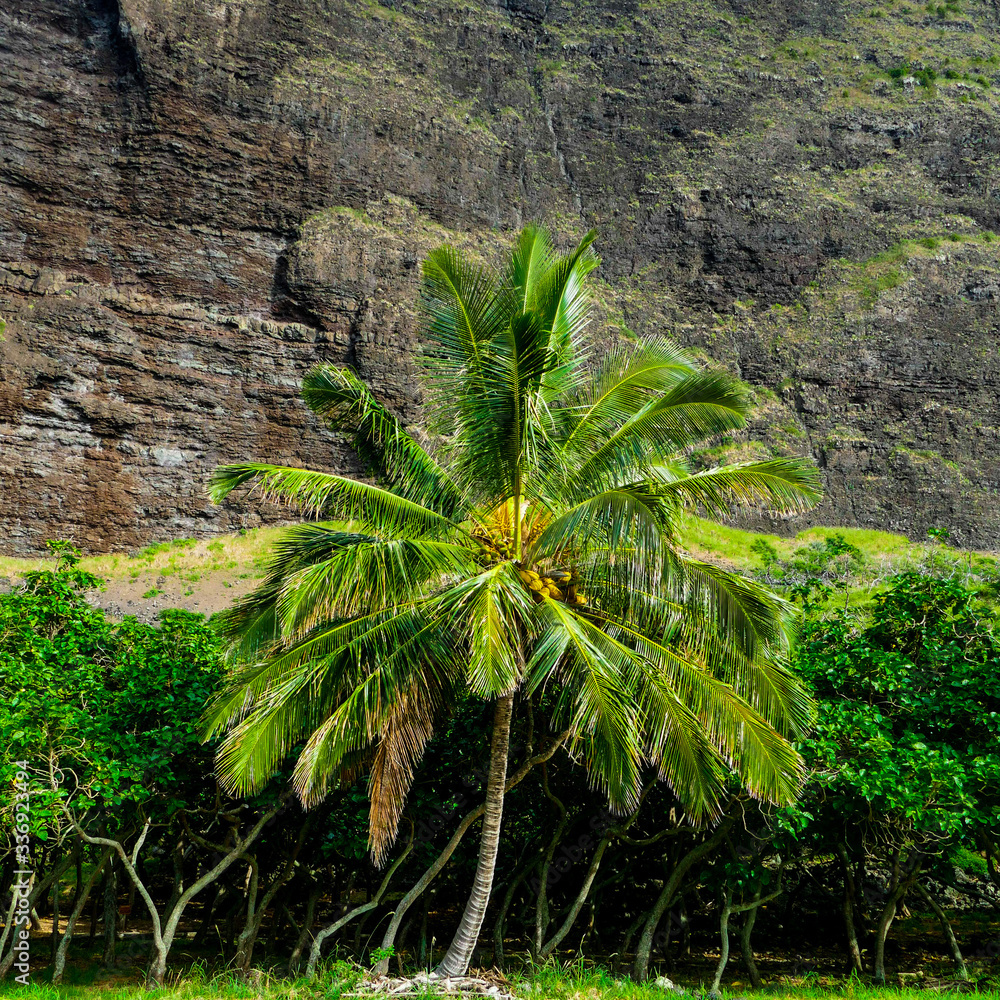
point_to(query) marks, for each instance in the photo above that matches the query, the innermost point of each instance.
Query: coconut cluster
(493, 550)
(559, 585)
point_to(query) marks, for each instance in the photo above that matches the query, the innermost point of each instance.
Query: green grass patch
(855, 563)
(242, 558)
(341, 979)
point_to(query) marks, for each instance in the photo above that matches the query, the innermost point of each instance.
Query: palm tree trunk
(459, 955)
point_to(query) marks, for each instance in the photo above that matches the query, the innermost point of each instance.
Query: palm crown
(534, 543)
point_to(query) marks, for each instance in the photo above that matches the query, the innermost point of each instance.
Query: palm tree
(531, 540)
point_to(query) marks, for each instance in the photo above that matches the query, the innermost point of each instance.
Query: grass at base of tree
(570, 982)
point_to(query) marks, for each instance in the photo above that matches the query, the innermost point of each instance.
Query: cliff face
(199, 199)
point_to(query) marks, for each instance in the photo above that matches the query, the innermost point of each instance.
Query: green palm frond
(781, 485)
(346, 403)
(768, 766)
(565, 307)
(753, 616)
(632, 519)
(770, 687)
(422, 654)
(595, 698)
(289, 709)
(697, 598)
(530, 260)
(700, 405)
(488, 616)
(244, 690)
(625, 381)
(330, 495)
(368, 574)
(462, 314)
(251, 623)
(271, 707)
(667, 732)
(678, 745)
(695, 622)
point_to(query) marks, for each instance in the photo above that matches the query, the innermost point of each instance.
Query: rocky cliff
(201, 198)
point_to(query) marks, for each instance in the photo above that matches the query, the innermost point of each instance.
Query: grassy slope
(187, 573)
(206, 575)
(881, 556)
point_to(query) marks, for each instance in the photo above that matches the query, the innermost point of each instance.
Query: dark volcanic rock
(201, 198)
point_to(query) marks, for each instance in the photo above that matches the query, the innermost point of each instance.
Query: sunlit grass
(575, 982)
(188, 559)
(736, 544)
(187, 567)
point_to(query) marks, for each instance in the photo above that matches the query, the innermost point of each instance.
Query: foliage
(904, 753)
(116, 704)
(909, 718)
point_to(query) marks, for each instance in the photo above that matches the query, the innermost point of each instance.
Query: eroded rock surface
(199, 199)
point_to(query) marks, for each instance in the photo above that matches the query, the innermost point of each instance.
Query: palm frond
(564, 305)
(595, 698)
(422, 654)
(329, 495)
(276, 703)
(530, 261)
(750, 614)
(368, 574)
(488, 615)
(631, 519)
(288, 710)
(251, 623)
(781, 485)
(461, 315)
(767, 764)
(627, 378)
(405, 732)
(397, 459)
(700, 405)
(739, 629)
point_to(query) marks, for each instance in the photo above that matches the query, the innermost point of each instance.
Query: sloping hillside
(854, 563)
